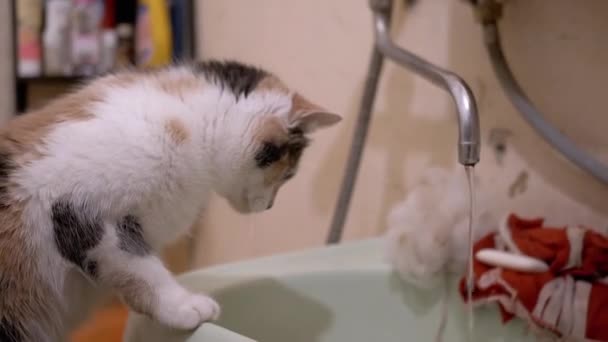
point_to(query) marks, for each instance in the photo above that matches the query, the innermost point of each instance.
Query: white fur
(122, 161)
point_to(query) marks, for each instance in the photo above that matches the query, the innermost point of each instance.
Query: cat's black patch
(6, 168)
(75, 231)
(130, 235)
(268, 154)
(239, 78)
(91, 268)
(9, 332)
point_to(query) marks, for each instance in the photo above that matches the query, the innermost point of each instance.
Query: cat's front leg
(147, 287)
(126, 264)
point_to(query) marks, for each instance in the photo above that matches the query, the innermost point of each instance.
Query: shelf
(58, 79)
(185, 36)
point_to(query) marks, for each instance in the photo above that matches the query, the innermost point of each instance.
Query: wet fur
(96, 182)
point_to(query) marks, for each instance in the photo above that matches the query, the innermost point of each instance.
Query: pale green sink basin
(337, 294)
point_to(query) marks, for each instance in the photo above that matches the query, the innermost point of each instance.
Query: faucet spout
(468, 119)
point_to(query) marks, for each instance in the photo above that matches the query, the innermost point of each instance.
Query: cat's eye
(268, 154)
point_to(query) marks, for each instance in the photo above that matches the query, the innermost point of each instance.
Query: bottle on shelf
(29, 54)
(153, 34)
(56, 38)
(125, 23)
(86, 36)
(109, 39)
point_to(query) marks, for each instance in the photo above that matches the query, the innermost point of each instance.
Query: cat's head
(265, 132)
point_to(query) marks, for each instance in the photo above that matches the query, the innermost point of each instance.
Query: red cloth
(571, 299)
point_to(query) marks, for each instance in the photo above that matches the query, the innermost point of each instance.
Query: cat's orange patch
(30, 299)
(23, 137)
(177, 131)
(271, 129)
(275, 173)
(179, 86)
(119, 80)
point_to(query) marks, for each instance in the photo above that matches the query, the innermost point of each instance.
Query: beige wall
(321, 47)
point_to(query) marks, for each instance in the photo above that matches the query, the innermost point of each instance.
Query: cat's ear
(310, 117)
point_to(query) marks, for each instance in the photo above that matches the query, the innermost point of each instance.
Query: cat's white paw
(208, 309)
(189, 311)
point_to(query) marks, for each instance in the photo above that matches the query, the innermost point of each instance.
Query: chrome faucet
(468, 120)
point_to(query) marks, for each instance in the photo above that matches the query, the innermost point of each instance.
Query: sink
(331, 294)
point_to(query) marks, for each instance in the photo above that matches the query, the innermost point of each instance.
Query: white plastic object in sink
(517, 262)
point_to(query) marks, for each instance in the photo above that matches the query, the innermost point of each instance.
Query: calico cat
(98, 181)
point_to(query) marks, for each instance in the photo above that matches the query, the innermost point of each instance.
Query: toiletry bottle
(125, 23)
(178, 22)
(56, 38)
(125, 50)
(29, 20)
(86, 37)
(153, 36)
(109, 39)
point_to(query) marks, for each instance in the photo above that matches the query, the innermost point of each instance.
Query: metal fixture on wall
(488, 13)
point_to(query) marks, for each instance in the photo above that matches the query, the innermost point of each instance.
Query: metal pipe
(356, 150)
(468, 120)
(525, 107)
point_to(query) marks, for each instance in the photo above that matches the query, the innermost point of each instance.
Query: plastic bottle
(109, 39)
(56, 38)
(86, 36)
(153, 36)
(29, 20)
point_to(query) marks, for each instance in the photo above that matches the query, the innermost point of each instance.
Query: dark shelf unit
(57, 79)
(22, 84)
